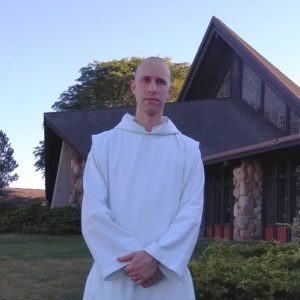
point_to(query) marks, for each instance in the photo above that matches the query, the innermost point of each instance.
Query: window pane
(224, 89)
(251, 88)
(228, 199)
(282, 168)
(295, 123)
(209, 204)
(218, 202)
(282, 201)
(274, 109)
(269, 200)
(296, 186)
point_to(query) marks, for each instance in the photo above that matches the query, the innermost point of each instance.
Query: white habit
(142, 191)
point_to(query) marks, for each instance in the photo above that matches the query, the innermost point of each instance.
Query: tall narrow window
(269, 193)
(274, 109)
(224, 89)
(219, 195)
(281, 189)
(282, 201)
(228, 195)
(296, 186)
(294, 123)
(251, 87)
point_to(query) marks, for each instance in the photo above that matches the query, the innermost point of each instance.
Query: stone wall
(76, 188)
(247, 201)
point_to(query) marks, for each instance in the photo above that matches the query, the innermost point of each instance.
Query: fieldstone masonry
(76, 186)
(247, 193)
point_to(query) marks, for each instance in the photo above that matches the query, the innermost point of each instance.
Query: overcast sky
(45, 43)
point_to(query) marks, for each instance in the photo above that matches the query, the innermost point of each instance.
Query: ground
(19, 196)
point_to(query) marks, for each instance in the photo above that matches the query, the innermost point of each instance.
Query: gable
(226, 66)
(239, 105)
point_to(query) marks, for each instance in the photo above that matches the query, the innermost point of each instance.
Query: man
(143, 198)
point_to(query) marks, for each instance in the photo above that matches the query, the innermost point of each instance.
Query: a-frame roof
(212, 122)
(226, 128)
(218, 48)
(221, 125)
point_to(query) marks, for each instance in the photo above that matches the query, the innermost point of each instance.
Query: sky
(44, 44)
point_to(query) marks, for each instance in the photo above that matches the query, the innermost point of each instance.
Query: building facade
(246, 115)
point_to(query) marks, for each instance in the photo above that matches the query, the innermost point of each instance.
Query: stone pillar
(76, 187)
(247, 201)
(296, 227)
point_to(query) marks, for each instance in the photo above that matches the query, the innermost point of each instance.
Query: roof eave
(276, 144)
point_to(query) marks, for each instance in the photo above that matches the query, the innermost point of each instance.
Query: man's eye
(160, 82)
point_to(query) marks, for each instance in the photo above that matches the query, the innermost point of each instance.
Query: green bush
(262, 270)
(34, 218)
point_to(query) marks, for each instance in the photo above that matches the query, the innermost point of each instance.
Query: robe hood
(166, 128)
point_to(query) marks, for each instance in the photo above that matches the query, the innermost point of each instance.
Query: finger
(129, 269)
(132, 273)
(150, 282)
(126, 258)
(135, 278)
(140, 281)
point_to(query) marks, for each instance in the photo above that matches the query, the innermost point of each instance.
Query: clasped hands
(142, 268)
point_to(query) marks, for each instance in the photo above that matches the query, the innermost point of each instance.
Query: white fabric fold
(142, 192)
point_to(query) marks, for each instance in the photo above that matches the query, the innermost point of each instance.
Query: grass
(46, 267)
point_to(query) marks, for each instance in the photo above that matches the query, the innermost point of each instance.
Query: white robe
(142, 191)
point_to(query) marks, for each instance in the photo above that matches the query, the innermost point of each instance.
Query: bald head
(150, 60)
(151, 88)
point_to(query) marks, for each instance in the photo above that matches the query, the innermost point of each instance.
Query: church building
(246, 115)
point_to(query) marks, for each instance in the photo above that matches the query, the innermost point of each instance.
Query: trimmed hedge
(34, 218)
(261, 270)
(220, 269)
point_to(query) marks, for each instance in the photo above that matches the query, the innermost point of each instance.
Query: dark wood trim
(236, 78)
(262, 97)
(288, 120)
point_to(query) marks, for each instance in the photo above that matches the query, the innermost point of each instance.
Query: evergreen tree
(7, 162)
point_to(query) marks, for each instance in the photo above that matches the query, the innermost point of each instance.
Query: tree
(39, 155)
(106, 84)
(7, 162)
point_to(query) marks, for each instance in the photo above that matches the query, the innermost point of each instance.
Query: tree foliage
(39, 155)
(106, 84)
(7, 162)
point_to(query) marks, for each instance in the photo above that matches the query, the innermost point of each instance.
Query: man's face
(151, 87)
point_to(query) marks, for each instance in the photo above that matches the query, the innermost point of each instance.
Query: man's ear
(132, 86)
(171, 90)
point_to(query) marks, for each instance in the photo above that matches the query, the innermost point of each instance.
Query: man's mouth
(151, 99)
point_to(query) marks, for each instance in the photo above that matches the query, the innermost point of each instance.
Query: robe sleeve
(105, 239)
(174, 249)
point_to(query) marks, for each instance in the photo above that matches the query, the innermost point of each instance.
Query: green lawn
(36, 267)
(42, 267)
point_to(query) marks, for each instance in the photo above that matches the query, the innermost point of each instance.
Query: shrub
(34, 218)
(261, 270)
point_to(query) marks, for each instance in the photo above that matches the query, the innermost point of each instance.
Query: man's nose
(152, 87)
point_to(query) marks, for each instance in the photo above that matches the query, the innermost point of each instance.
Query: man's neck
(148, 122)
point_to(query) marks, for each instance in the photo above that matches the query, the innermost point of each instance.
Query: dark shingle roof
(220, 125)
(226, 128)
